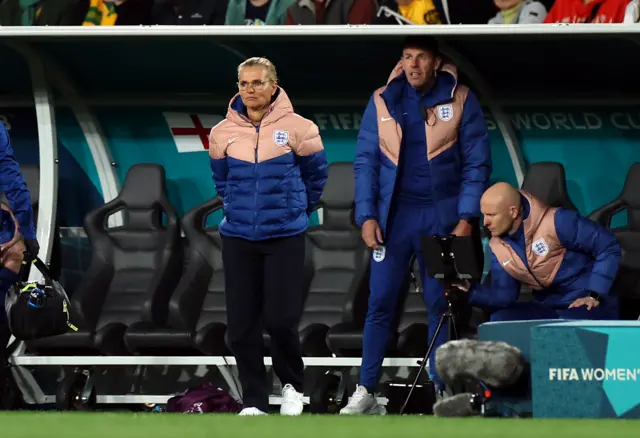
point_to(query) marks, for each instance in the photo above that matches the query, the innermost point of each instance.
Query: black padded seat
(197, 317)
(134, 268)
(546, 180)
(627, 284)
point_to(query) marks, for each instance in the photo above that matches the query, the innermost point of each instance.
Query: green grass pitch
(163, 425)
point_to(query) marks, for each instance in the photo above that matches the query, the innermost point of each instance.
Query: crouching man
(569, 261)
(17, 228)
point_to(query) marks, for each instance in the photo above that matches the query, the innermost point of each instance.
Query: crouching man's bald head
(500, 205)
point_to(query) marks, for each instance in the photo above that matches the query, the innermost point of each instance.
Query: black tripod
(452, 328)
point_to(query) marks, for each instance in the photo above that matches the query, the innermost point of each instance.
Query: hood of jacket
(280, 107)
(442, 92)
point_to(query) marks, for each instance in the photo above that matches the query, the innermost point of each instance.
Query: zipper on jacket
(526, 264)
(255, 177)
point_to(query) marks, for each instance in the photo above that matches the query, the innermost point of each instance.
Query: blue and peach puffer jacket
(559, 254)
(270, 176)
(457, 147)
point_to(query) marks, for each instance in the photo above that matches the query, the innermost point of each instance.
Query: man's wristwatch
(595, 296)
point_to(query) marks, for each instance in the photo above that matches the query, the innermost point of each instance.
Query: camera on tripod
(450, 259)
(453, 259)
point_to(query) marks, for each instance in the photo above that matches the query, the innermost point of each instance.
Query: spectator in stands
(16, 212)
(18, 12)
(120, 12)
(60, 13)
(189, 12)
(519, 12)
(269, 167)
(422, 163)
(442, 11)
(90, 12)
(568, 260)
(466, 11)
(588, 11)
(257, 12)
(331, 12)
(632, 13)
(414, 11)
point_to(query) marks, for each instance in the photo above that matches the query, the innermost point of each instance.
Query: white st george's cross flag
(191, 131)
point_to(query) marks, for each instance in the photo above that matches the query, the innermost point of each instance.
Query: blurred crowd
(304, 12)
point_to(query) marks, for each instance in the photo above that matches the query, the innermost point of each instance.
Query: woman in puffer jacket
(269, 167)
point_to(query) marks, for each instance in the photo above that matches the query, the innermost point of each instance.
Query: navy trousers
(388, 269)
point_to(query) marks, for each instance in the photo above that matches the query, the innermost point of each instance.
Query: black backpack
(36, 310)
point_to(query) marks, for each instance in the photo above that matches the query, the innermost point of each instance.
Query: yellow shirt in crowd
(420, 12)
(101, 13)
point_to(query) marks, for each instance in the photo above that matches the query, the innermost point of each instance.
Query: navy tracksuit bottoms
(407, 223)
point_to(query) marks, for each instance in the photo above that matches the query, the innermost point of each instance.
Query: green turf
(109, 425)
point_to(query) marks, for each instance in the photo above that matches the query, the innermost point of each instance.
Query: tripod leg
(424, 362)
(453, 328)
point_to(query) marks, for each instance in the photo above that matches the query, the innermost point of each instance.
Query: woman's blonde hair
(262, 62)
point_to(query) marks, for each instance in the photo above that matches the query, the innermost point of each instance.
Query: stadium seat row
(150, 292)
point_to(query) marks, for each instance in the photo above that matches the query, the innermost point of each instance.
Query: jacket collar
(280, 107)
(442, 92)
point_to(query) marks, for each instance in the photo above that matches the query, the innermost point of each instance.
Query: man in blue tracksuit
(569, 261)
(422, 163)
(19, 202)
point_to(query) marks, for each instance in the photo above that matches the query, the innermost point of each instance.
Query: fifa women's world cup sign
(586, 369)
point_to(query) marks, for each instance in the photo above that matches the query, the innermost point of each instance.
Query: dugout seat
(546, 180)
(196, 323)
(627, 283)
(134, 268)
(338, 263)
(345, 339)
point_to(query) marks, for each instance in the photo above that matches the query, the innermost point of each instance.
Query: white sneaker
(251, 412)
(291, 401)
(361, 402)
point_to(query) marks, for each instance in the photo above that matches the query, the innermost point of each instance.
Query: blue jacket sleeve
(476, 158)
(13, 185)
(219, 169)
(219, 166)
(503, 291)
(578, 233)
(314, 168)
(366, 166)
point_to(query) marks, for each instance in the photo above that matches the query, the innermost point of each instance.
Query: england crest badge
(540, 247)
(281, 138)
(445, 112)
(379, 253)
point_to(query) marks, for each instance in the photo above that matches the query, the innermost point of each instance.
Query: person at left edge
(422, 163)
(270, 169)
(17, 196)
